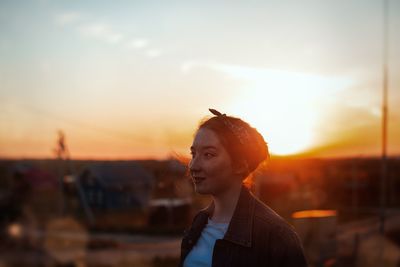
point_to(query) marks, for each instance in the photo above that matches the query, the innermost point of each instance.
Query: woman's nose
(194, 165)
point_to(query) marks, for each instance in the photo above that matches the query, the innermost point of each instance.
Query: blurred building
(134, 194)
(116, 186)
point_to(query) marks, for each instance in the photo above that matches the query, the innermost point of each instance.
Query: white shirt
(201, 253)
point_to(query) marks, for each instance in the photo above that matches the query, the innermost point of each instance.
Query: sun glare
(283, 106)
(285, 133)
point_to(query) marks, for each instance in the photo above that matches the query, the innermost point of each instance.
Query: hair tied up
(243, 142)
(238, 130)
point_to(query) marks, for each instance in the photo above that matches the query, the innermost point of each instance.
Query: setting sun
(284, 106)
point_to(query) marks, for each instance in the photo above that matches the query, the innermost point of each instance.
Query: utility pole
(384, 119)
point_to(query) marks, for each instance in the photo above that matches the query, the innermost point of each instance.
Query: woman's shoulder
(263, 212)
(272, 227)
(269, 222)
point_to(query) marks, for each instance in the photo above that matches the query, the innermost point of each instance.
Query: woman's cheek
(215, 168)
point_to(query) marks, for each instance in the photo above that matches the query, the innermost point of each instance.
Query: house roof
(120, 174)
(37, 178)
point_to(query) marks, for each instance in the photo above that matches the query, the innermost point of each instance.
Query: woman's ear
(241, 168)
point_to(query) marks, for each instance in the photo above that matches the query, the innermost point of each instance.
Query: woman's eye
(208, 155)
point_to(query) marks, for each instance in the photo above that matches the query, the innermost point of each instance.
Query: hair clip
(216, 112)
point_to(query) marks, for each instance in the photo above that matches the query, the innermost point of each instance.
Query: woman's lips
(198, 179)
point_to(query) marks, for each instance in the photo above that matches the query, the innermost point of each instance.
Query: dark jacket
(256, 236)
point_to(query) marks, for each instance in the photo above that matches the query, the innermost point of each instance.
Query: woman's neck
(225, 204)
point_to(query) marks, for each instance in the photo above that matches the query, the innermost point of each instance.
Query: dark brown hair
(251, 151)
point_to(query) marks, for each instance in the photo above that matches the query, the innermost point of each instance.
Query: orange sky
(133, 80)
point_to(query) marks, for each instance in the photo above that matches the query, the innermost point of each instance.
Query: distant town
(156, 197)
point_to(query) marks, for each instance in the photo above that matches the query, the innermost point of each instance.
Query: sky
(133, 79)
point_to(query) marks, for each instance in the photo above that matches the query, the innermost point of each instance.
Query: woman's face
(211, 166)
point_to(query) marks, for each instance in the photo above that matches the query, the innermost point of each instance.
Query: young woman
(236, 229)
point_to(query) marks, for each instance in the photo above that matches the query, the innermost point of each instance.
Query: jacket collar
(241, 225)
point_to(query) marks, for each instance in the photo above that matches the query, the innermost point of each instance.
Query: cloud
(152, 53)
(189, 65)
(68, 18)
(273, 79)
(105, 33)
(101, 31)
(137, 43)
